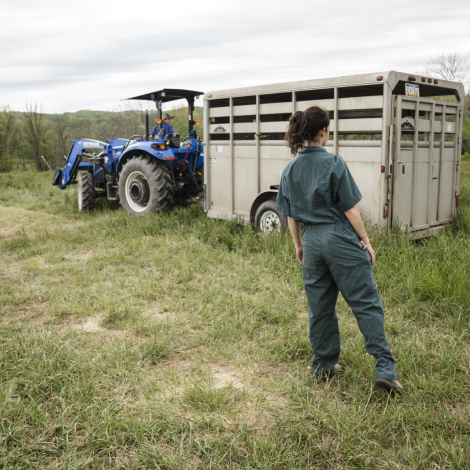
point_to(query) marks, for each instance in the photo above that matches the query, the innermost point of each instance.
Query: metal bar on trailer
(431, 163)
(258, 146)
(207, 156)
(414, 176)
(456, 157)
(335, 117)
(441, 158)
(387, 158)
(232, 160)
(397, 154)
(389, 176)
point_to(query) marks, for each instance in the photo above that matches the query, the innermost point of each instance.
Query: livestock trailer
(400, 135)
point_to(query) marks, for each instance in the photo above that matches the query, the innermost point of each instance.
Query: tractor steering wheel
(129, 141)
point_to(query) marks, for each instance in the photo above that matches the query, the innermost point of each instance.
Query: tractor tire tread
(159, 180)
(87, 188)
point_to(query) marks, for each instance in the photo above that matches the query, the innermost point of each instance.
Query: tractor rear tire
(86, 192)
(268, 219)
(145, 185)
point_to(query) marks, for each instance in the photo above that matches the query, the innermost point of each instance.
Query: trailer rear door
(425, 162)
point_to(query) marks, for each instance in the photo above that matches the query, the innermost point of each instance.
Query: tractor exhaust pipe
(147, 127)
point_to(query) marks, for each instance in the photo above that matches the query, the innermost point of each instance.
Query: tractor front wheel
(268, 219)
(145, 186)
(86, 192)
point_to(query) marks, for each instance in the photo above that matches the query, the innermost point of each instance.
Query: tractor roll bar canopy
(171, 94)
(168, 94)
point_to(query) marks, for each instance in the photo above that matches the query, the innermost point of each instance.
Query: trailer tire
(268, 219)
(86, 192)
(145, 185)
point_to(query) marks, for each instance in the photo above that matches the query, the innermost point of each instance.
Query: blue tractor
(145, 175)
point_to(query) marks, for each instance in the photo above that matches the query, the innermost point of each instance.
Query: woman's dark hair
(304, 126)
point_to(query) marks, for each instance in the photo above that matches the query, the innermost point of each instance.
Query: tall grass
(176, 341)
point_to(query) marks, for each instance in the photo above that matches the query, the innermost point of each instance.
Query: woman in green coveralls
(318, 190)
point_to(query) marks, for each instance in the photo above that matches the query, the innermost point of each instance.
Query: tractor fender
(262, 197)
(138, 150)
(200, 158)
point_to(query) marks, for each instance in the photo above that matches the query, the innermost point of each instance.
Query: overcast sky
(70, 55)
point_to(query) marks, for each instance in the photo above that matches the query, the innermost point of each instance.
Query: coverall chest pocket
(345, 249)
(308, 260)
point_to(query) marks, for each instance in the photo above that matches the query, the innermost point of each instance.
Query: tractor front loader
(145, 175)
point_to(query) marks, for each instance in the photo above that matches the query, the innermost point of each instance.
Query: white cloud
(91, 54)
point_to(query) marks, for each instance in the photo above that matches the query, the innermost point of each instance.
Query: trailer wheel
(86, 192)
(268, 219)
(145, 186)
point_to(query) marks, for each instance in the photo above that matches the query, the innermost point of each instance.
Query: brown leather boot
(390, 386)
(328, 374)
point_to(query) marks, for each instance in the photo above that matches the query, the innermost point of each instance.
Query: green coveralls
(316, 189)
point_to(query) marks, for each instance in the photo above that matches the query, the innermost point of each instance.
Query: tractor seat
(174, 140)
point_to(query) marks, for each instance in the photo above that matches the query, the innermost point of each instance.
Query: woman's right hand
(300, 253)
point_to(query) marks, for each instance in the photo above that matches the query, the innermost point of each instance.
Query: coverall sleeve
(344, 191)
(282, 201)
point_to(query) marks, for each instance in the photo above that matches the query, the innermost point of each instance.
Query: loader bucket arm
(67, 175)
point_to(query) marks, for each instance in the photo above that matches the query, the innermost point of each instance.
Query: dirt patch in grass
(226, 376)
(91, 325)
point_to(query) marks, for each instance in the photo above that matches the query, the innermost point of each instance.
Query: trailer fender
(262, 197)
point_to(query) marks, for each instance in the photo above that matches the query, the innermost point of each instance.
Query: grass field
(180, 342)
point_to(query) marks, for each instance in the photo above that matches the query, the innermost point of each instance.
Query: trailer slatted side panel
(257, 153)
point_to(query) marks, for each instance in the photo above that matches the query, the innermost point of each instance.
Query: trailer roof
(392, 77)
(168, 94)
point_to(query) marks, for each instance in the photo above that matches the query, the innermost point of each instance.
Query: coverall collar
(312, 148)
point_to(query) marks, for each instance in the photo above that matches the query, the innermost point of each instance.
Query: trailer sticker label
(213, 161)
(407, 126)
(449, 127)
(218, 148)
(411, 89)
(220, 129)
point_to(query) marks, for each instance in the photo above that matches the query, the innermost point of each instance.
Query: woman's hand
(372, 255)
(294, 231)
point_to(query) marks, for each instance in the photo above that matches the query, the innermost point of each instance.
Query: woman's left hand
(300, 253)
(372, 255)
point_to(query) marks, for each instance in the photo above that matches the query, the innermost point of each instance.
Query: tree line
(27, 136)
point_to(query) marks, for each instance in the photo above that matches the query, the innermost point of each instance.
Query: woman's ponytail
(304, 126)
